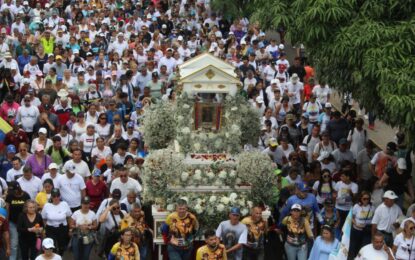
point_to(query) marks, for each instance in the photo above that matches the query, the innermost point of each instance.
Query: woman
(103, 127)
(48, 254)
(39, 161)
(324, 244)
(268, 116)
(331, 216)
(298, 230)
(79, 127)
(403, 245)
(133, 148)
(96, 190)
(83, 226)
(346, 190)
(44, 196)
(360, 234)
(39, 82)
(56, 215)
(100, 151)
(41, 139)
(126, 248)
(76, 105)
(65, 136)
(282, 109)
(42, 58)
(30, 227)
(92, 115)
(324, 188)
(314, 174)
(111, 219)
(23, 152)
(15, 200)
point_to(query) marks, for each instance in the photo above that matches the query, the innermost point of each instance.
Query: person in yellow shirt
(142, 232)
(257, 228)
(47, 41)
(179, 231)
(43, 197)
(126, 249)
(213, 250)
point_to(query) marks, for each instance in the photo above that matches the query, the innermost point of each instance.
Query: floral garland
(159, 125)
(211, 175)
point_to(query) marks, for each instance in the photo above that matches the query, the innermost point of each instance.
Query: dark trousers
(28, 249)
(343, 215)
(253, 254)
(358, 239)
(388, 238)
(60, 236)
(177, 253)
(79, 249)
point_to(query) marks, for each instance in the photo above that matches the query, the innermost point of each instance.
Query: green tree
(366, 47)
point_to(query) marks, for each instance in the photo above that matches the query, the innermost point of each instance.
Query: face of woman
(326, 235)
(48, 187)
(365, 199)
(295, 213)
(127, 236)
(31, 208)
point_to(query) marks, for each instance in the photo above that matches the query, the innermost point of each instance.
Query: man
(16, 171)
(257, 228)
(178, 232)
(338, 127)
(52, 174)
(125, 184)
(128, 202)
(386, 217)
(27, 115)
(307, 201)
(71, 186)
(325, 145)
(142, 232)
(377, 250)
(119, 45)
(310, 142)
(29, 183)
(88, 141)
(233, 234)
(81, 167)
(364, 174)
(6, 162)
(271, 150)
(357, 137)
(383, 159)
(297, 68)
(16, 136)
(213, 248)
(58, 154)
(342, 153)
(295, 93)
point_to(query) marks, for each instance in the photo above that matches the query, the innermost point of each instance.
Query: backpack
(308, 139)
(364, 132)
(61, 154)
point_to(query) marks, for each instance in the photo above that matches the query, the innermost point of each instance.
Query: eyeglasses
(123, 176)
(115, 208)
(103, 118)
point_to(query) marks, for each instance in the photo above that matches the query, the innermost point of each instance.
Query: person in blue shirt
(324, 244)
(308, 202)
(6, 162)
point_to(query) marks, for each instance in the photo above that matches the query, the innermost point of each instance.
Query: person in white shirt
(16, 171)
(88, 142)
(29, 183)
(81, 167)
(310, 141)
(41, 139)
(52, 174)
(101, 151)
(295, 92)
(72, 186)
(125, 184)
(386, 216)
(322, 92)
(376, 250)
(27, 115)
(168, 60)
(403, 244)
(55, 215)
(119, 45)
(357, 137)
(48, 254)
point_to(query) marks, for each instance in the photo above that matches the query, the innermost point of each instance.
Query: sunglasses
(116, 208)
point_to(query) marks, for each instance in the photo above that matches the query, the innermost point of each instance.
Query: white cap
(26, 81)
(259, 99)
(53, 166)
(294, 78)
(40, 147)
(48, 243)
(274, 81)
(25, 3)
(70, 167)
(243, 42)
(180, 38)
(75, 51)
(62, 93)
(149, 16)
(390, 195)
(323, 155)
(43, 130)
(327, 105)
(281, 46)
(303, 147)
(402, 164)
(47, 5)
(164, 26)
(296, 206)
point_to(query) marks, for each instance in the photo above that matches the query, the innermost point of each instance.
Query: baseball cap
(290, 116)
(281, 46)
(302, 187)
(3, 213)
(235, 211)
(277, 171)
(303, 147)
(55, 192)
(96, 173)
(43, 130)
(390, 195)
(402, 164)
(259, 99)
(343, 141)
(47, 243)
(138, 105)
(11, 148)
(323, 155)
(130, 124)
(273, 142)
(70, 167)
(327, 105)
(53, 166)
(85, 200)
(296, 207)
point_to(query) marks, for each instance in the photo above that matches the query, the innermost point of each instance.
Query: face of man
(378, 242)
(181, 210)
(234, 218)
(77, 155)
(16, 164)
(123, 176)
(27, 175)
(212, 242)
(256, 214)
(136, 213)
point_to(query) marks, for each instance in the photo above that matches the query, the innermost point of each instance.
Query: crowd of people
(75, 80)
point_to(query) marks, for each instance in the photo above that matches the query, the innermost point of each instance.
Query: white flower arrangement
(185, 130)
(170, 207)
(234, 109)
(212, 199)
(184, 176)
(225, 200)
(232, 174)
(223, 175)
(220, 207)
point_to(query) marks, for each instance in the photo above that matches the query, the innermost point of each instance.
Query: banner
(4, 126)
(342, 251)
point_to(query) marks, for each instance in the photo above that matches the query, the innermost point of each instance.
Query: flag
(342, 250)
(5, 126)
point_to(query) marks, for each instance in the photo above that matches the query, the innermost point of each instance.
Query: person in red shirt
(4, 235)
(16, 136)
(96, 190)
(308, 89)
(309, 71)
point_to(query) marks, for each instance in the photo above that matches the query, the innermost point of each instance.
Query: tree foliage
(366, 47)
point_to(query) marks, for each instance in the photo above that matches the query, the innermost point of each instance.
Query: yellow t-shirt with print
(256, 232)
(205, 253)
(139, 226)
(182, 228)
(125, 253)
